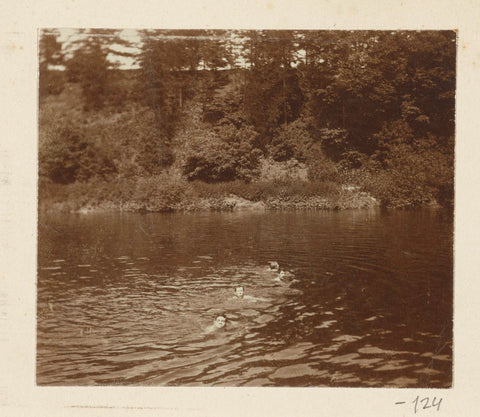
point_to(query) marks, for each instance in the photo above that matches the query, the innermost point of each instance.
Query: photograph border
(18, 222)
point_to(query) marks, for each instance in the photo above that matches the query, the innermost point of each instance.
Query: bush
(412, 175)
(305, 189)
(154, 154)
(292, 141)
(334, 142)
(320, 168)
(162, 192)
(66, 156)
(392, 134)
(225, 154)
(265, 190)
(352, 160)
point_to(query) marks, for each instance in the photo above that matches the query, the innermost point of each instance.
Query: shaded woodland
(267, 116)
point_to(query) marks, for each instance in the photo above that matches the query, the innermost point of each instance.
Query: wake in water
(247, 306)
(218, 323)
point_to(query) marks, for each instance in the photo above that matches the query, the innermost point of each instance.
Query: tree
(272, 94)
(175, 65)
(359, 80)
(51, 80)
(92, 64)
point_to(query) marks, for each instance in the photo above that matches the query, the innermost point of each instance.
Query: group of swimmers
(239, 294)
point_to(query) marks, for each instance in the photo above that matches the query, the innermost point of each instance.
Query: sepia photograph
(245, 208)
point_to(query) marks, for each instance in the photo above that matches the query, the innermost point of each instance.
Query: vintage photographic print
(263, 208)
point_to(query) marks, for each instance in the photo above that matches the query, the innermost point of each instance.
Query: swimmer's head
(273, 265)
(220, 321)
(239, 292)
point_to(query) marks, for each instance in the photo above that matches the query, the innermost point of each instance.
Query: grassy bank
(162, 193)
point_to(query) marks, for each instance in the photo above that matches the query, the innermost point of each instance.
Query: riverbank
(159, 194)
(118, 160)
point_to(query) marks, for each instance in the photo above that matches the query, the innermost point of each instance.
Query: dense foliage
(371, 109)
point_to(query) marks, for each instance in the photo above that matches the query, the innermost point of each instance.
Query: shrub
(154, 154)
(334, 142)
(265, 190)
(271, 170)
(153, 150)
(225, 154)
(292, 141)
(321, 168)
(392, 134)
(66, 156)
(352, 160)
(162, 192)
(412, 176)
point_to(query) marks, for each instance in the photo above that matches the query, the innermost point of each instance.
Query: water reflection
(126, 299)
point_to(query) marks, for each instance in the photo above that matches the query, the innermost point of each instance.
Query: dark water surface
(126, 299)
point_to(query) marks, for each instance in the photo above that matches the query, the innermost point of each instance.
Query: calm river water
(126, 299)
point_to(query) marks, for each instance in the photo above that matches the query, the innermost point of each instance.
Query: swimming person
(239, 294)
(281, 275)
(273, 266)
(219, 323)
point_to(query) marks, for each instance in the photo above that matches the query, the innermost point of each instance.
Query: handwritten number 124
(425, 403)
